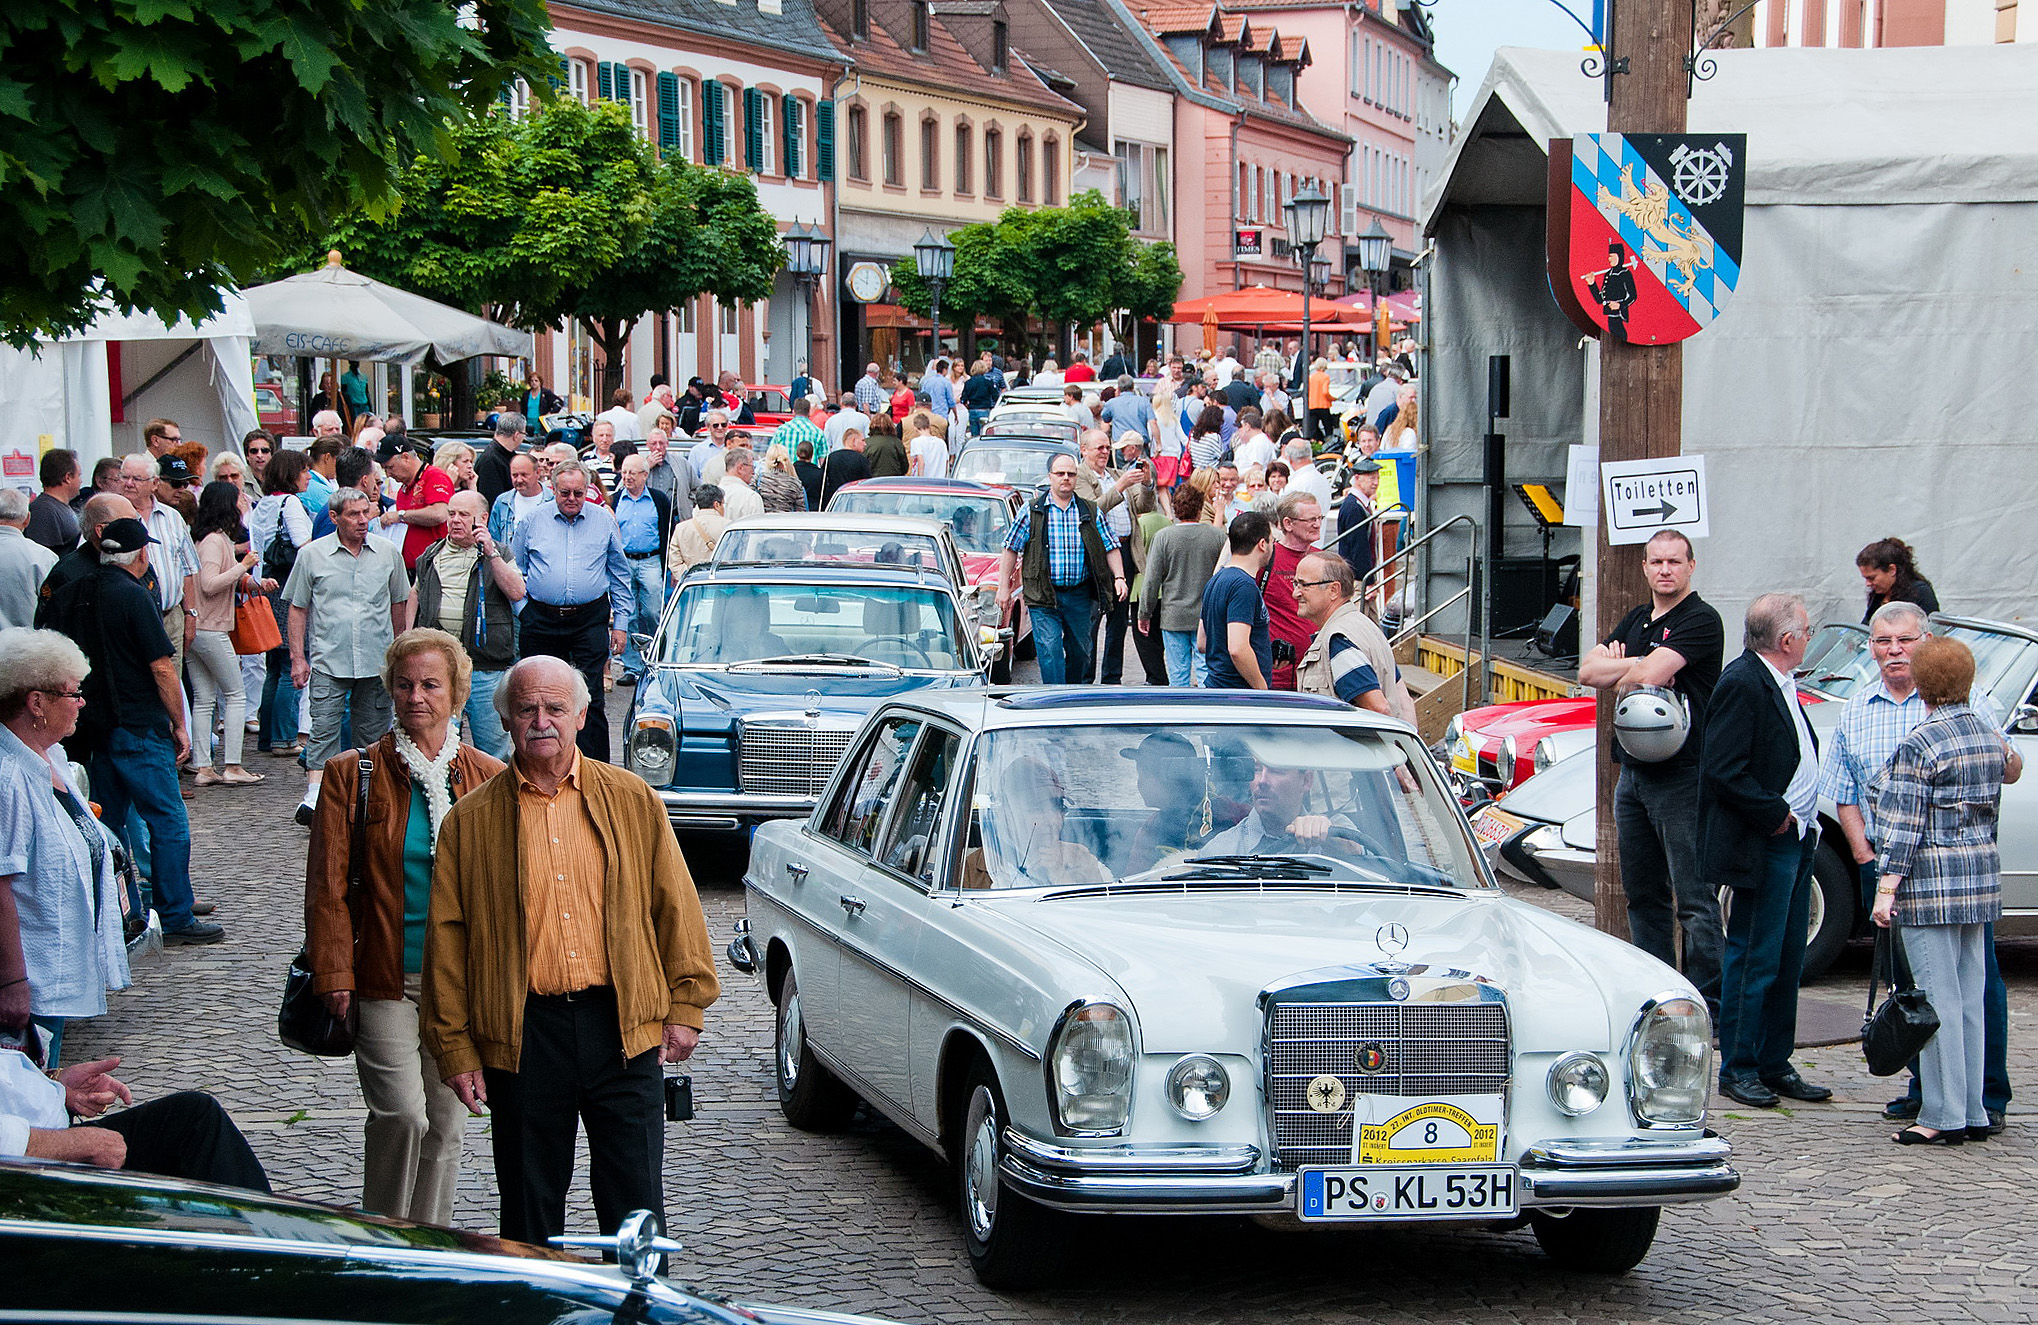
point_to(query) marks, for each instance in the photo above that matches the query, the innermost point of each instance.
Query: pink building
(1241, 130)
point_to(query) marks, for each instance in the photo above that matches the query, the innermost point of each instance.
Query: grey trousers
(1950, 965)
(410, 1163)
(337, 699)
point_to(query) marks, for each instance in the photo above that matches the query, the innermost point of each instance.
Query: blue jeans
(138, 770)
(1180, 646)
(1764, 959)
(1063, 635)
(647, 590)
(277, 712)
(976, 421)
(484, 725)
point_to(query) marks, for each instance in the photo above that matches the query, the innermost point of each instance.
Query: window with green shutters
(794, 117)
(824, 141)
(668, 110)
(605, 80)
(713, 114)
(753, 129)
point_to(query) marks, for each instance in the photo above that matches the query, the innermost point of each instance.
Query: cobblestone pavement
(1832, 1221)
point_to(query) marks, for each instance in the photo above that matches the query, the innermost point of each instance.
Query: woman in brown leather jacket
(367, 951)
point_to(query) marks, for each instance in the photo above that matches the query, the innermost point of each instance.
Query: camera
(679, 1099)
(1284, 652)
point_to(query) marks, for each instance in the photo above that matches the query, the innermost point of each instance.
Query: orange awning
(1243, 307)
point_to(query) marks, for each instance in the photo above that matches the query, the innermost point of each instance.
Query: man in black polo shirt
(133, 721)
(1675, 640)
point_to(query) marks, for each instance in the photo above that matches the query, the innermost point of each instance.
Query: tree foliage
(1074, 266)
(568, 213)
(153, 151)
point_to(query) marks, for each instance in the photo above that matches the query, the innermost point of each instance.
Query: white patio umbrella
(333, 313)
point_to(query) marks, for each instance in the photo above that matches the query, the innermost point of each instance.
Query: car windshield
(1091, 804)
(778, 546)
(2003, 666)
(979, 522)
(717, 625)
(1837, 662)
(1017, 467)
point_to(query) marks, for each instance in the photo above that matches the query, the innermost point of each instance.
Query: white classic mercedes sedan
(1187, 952)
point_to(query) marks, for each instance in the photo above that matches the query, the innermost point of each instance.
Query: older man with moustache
(566, 957)
(527, 491)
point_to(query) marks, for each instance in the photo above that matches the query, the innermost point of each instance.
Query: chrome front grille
(788, 758)
(1431, 1049)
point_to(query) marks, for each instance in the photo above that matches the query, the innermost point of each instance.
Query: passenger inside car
(1021, 845)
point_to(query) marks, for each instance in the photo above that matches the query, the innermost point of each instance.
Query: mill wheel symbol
(1700, 174)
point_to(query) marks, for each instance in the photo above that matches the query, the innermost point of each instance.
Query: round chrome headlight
(1670, 1063)
(1506, 763)
(1544, 755)
(1578, 1084)
(1198, 1087)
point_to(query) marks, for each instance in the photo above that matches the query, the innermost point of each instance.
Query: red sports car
(769, 406)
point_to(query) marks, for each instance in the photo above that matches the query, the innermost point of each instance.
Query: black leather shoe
(1791, 1086)
(1901, 1110)
(1748, 1091)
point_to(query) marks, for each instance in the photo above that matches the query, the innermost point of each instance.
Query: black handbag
(1905, 1023)
(304, 1022)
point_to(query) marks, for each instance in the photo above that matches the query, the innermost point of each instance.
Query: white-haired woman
(368, 953)
(457, 459)
(61, 946)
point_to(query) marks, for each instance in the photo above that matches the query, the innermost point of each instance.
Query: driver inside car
(1281, 823)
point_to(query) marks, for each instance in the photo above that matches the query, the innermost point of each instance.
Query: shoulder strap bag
(1905, 1023)
(304, 1022)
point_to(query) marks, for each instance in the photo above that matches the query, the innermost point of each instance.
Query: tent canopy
(339, 314)
(1246, 307)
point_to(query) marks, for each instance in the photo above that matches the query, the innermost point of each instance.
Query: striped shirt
(564, 868)
(1938, 806)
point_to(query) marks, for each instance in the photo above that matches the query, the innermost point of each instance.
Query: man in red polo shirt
(1298, 523)
(420, 501)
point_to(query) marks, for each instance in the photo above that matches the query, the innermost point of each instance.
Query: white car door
(872, 915)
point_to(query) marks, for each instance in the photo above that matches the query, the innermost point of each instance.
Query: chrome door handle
(853, 905)
(799, 872)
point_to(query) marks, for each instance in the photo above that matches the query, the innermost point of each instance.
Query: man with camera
(1674, 641)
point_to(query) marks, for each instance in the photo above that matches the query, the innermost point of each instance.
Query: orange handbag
(254, 624)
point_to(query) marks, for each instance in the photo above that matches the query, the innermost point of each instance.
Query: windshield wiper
(820, 660)
(1251, 867)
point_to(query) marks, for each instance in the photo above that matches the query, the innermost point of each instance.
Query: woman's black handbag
(304, 1022)
(1906, 1021)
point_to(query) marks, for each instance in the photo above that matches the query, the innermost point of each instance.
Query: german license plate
(1496, 826)
(1408, 1191)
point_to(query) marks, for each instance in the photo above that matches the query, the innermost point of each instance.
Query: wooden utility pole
(1641, 387)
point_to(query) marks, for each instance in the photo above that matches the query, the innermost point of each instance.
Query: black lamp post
(806, 249)
(1308, 217)
(1376, 253)
(935, 258)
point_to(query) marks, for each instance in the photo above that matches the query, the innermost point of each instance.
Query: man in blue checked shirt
(1872, 725)
(1069, 564)
(645, 518)
(578, 580)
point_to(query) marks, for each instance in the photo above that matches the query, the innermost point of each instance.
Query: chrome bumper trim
(1121, 1159)
(1634, 1170)
(1637, 1151)
(1153, 1193)
(730, 809)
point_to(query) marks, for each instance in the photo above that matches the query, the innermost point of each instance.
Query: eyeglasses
(1061, 473)
(1884, 641)
(1311, 584)
(1303, 519)
(78, 695)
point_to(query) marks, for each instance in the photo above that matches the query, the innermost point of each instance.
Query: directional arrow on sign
(1663, 511)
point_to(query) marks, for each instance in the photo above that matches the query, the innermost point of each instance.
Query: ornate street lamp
(1308, 217)
(934, 256)
(1376, 254)
(1319, 274)
(806, 249)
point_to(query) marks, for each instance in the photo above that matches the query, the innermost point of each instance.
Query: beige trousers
(410, 1164)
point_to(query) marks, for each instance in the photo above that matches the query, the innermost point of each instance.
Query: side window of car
(910, 836)
(861, 800)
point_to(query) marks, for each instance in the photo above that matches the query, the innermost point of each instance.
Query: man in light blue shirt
(940, 391)
(1128, 411)
(577, 580)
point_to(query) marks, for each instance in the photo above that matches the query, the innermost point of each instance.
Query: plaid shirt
(1872, 725)
(796, 430)
(1064, 540)
(870, 397)
(1938, 806)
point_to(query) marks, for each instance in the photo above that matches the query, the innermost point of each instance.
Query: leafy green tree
(1072, 266)
(157, 150)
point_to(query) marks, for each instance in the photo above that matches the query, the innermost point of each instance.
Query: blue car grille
(1430, 1049)
(789, 758)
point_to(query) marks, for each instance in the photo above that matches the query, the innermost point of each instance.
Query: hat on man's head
(1160, 745)
(173, 468)
(1364, 465)
(124, 536)
(396, 444)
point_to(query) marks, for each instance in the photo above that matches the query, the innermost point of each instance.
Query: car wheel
(812, 1098)
(1012, 1242)
(1597, 1241)
(1835, 892)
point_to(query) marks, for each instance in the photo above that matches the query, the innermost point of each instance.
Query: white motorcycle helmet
(1651, 723)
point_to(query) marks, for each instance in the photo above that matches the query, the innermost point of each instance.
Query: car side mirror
(2025, 719)
(644, 643)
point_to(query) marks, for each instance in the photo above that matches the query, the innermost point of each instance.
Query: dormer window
(922, 22)
(859, 19)
(999, 35)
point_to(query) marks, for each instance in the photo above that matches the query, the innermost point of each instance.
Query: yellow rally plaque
(1432, 1133)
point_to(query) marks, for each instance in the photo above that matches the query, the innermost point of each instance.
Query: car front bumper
(730, 810)
(1191, 1180)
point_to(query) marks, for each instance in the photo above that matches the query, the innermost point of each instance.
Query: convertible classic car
(1184, 952)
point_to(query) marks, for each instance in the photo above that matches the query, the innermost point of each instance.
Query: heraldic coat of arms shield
(1645, 231)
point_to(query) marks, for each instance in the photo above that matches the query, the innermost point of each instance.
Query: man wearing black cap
(420, 501)
(132, 724)
(1358, 539)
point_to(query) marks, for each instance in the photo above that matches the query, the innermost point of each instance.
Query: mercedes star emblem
(1393, 939)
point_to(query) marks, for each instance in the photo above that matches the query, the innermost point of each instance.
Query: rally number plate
(1495, 826)
(1410, 1191)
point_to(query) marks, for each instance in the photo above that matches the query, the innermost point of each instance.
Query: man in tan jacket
(566, 957)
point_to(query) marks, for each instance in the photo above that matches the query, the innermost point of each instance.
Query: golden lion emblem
(1648, 206)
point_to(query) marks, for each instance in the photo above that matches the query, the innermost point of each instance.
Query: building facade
(1866, 23)
(741, 86)
(942, 120)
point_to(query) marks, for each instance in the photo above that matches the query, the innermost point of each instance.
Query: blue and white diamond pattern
(1595, 165)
